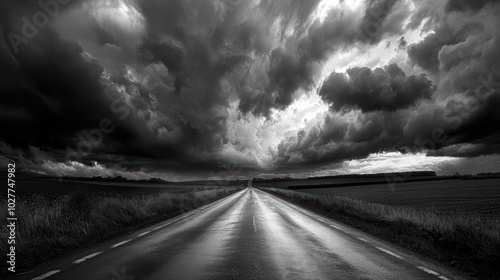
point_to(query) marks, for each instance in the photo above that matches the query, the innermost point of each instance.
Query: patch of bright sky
(326, 5)
(118, 12)
(380, 55)
(393, 161)
(257, 137)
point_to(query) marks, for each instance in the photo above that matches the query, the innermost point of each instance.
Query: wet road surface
(248, 235)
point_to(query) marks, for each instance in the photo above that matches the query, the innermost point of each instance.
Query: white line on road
(86, 258)
(121, 243)
(164, 225)
(389, 252)
(26, 272)
(334, 226)
(43, 276)
(254, 225)
(362, 239)
(428, 270)
(144, 233)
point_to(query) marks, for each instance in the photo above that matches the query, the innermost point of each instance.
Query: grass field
(57, 217)
(471, 197)
(467, 239)
(50, 188)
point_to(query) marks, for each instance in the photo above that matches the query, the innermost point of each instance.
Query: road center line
(121, 243)
(86, 258)
(164, 225)
(428, 270)
(389, 252)
(43, 276)
(254, 225)
(144, 233)
(334, 226)
(362, 239)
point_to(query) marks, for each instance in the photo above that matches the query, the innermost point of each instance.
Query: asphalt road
(248, 235)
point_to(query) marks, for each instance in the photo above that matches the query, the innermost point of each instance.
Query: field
(56, 217)
(52, 188)
(476, 197)
(454, 221)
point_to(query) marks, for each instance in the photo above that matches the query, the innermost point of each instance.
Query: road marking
(430, 271)
(86, 258)
(43, 276)
(50, 273)
(157, 228)
(121, 243)
(254, 225)
(427, 270)
(334, 226)
(389, 252)
(26, 272)
(144, 233)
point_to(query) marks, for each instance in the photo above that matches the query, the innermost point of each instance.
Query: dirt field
(480, 197)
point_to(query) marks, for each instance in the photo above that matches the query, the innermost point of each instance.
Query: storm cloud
(386, 89)
(184, 89)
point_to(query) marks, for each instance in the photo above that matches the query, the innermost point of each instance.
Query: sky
(199, 89)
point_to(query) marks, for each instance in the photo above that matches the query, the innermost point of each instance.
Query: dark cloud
(49, 86)
(481, 130)
(387, 89)
(297, 65)
(337, 139)
(462, 5)
(195, 109)
(171, 56)
(425, 53)
(55, 95)
(402, 43)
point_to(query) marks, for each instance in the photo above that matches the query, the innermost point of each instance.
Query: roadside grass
(48, 227)
(463, 241)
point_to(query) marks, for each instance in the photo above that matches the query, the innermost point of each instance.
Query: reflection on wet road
(248, 235)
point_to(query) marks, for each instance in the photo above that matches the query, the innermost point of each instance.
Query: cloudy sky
(184, 89)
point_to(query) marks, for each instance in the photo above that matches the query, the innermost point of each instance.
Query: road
(248, 235)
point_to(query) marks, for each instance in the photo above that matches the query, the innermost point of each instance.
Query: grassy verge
(462, 241)
(48, 227)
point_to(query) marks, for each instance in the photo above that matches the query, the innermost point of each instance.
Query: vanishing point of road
(248, 235)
